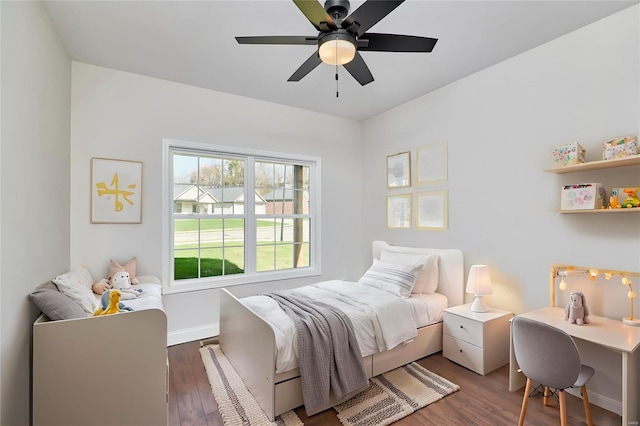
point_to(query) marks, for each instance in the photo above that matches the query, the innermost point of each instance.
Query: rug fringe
(215, 340)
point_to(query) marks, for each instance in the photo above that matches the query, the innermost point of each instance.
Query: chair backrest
(546, 354)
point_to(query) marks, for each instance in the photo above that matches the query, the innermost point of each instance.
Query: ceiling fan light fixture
(337, 48)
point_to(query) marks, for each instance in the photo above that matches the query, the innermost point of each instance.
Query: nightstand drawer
(464, 329)
(463, 353)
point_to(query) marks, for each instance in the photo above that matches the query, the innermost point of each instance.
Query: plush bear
(576, 311)
(101, 286)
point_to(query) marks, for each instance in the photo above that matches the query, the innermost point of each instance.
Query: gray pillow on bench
(56, 305)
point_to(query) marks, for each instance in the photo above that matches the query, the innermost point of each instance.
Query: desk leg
(630, 406)
(516, 380)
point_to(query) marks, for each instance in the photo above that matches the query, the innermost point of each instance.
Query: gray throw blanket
(328, 353)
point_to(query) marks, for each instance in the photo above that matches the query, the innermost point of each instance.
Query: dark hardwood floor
(481, 400)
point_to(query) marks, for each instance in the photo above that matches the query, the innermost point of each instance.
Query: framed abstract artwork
(431, 211)
(116, 191)
(399, 211)
(399, 170)
(431, 164)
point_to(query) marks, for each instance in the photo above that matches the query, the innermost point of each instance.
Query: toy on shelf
(624, 198)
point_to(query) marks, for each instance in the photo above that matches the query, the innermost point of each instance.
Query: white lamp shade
(337, 52)
(479, 280)
(479, 284)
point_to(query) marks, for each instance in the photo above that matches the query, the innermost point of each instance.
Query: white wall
(500, 125)
(126, 116)
(34, 166)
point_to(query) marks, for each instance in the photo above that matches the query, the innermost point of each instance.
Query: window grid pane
(206, 186)
(284, 187)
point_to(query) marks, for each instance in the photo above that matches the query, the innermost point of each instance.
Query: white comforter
(381, 320)
(149, 298)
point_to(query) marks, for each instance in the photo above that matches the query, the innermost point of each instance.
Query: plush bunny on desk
(576, 311)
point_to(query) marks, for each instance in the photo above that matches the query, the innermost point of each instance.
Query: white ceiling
(192, 42)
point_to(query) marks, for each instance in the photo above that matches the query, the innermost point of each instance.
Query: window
(239, 217)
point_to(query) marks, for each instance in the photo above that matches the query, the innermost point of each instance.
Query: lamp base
(631, 321)
(478, 305)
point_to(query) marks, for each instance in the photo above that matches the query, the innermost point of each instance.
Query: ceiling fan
(341, 36)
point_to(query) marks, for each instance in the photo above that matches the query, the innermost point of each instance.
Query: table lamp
(479, 284)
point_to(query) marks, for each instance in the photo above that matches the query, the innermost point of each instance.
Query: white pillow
(427, 281)
(396, 278)
(76, 284)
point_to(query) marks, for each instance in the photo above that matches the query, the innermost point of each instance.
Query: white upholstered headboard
(450, 268)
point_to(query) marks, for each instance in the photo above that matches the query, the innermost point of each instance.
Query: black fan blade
(277, 40)
(369, 14)
(359, 70)
(308, 66)
(396, 43)
(316, 14)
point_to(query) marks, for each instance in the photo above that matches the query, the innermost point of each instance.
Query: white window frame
(250, 275)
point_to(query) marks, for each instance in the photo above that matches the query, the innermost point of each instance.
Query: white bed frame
(248, 341)
(101, 371)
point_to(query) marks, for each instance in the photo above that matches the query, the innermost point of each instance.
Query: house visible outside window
(239, 217)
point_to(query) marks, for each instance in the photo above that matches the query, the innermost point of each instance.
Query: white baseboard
(191, 334)
(600, 400)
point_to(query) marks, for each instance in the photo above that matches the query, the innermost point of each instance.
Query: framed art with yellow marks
(116, 191)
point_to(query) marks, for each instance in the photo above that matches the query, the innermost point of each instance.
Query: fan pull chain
(337, 90)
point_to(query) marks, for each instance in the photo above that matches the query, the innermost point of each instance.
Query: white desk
(613, 334)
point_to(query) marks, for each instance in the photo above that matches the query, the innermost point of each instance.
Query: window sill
(231, 281)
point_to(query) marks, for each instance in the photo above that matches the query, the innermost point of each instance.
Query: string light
(563, 284)
(565, 271)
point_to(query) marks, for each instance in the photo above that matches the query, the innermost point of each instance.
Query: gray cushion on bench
(56, 305)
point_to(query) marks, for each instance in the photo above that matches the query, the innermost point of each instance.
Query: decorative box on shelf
(582, 196)
(621, 147)
(567, 155)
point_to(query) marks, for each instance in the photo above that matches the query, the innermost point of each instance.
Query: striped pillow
(427, 281)
(396, 278)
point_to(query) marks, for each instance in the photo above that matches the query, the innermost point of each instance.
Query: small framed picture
(399, 211)
(431, 211)
(432, 164)
(116, 191)
(399, 170)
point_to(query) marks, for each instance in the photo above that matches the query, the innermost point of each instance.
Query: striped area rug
(394, 395)
(235, 403)
(390, 397)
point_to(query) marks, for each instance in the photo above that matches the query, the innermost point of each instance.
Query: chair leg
(587, 408)
(525, 401)
(545, 396)
(563, 408)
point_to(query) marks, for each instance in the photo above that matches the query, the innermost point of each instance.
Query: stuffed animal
(101, 287)
(110, 304)
(576, 311)
(121, 281)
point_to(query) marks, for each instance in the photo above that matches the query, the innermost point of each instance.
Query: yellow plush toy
(114, 304)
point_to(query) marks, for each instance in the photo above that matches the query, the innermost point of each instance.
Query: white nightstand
(478, 341)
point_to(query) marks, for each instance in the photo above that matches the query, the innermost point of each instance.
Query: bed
(103, 370)
(249, 341)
